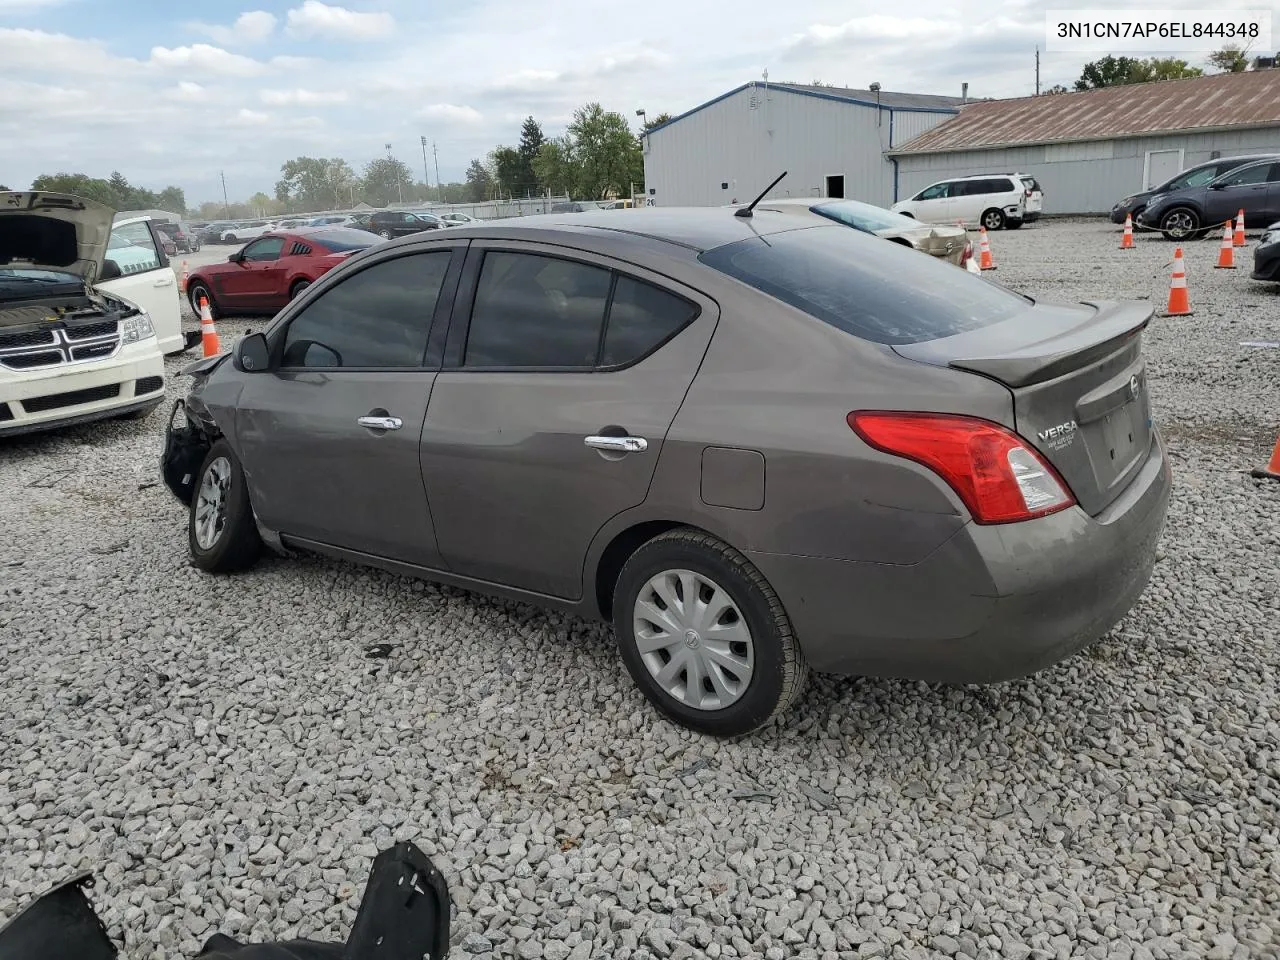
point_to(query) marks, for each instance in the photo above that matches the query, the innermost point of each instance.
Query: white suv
(70, 351)
(246, 230)
(989, 200)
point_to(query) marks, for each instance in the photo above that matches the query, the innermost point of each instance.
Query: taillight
(1028, 192)
(997, 476)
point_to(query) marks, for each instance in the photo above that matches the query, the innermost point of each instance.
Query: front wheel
(221, 532)
(704, 636)
(993, 219)
(1180, 223)
(385, 234)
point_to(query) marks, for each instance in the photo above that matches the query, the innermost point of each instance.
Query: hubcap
(693, 639)
(211, 503)
(993, 221)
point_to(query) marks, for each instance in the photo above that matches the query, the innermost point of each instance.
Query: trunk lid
(1078, 379)
(54, 231)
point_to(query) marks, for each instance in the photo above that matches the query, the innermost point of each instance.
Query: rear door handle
(618, 444)
(380, 423)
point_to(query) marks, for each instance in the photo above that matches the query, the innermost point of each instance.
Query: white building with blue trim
(831, 141)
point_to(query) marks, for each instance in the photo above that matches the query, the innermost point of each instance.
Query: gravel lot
(227, 757)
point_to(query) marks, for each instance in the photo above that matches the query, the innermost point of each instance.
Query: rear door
(329, 437)
(1034, 195)
(563, 372)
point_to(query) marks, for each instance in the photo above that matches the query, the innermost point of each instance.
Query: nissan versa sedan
(757, 445)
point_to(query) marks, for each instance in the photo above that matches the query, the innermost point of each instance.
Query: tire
(1180, 223)
(221, 532)
(1013, 224)
(230, 238)
(768, 649)
(385, 234)
(197, 289)
(992, 219)
(297, 288)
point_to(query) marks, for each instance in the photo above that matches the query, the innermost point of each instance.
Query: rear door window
(882, 292)
(641, 319)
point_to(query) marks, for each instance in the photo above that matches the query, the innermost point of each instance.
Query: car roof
(695, 228)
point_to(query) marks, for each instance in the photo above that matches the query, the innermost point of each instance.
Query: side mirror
(237, 257)
(110, 270)
(252, 354)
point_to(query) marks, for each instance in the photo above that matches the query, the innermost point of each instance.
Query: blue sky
(173, 94)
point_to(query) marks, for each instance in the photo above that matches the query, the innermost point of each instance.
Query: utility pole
(439, 185)
(1037, 69)
(226, 207)
(426, 180)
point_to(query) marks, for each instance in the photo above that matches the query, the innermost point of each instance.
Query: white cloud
(252, 26)
(302, 97)
(16, 6)
(56, 53)
(450, 113)
(316, 19)
(187, 91)
(252, 117)
(865, 30)
(207, 59)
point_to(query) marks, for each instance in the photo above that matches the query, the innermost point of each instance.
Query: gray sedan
(757, 445)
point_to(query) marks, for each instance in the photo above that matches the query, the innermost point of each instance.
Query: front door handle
(618, 444)
(380, 423)
(164, 282)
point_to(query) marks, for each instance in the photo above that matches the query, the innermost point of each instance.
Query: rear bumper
(993, 603)
(1031, 216)
(132, 381)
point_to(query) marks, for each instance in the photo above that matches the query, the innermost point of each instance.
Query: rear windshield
(340, 240)
(863, 216)
(871, 288)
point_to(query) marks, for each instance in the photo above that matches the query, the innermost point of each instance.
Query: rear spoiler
(1065, 346)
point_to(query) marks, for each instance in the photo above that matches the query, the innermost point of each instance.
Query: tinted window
(883, 292)
(378, 317)
(641, 318)
(341, 240)
(1247, 175)
(267, 248)
(536, 311)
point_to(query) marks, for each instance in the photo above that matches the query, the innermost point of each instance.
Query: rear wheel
(221, 531)
(297, 288)
(1180, 223)
(704, 636)
(992, 219)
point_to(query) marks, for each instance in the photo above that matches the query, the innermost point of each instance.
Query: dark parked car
(1266, 255)
(212, 232)
(398, 223)
(270, 271)
(755, 445)
(1195, 176)
(1192, 212)
(183, 236)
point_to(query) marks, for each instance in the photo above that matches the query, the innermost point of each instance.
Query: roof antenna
(746, 211)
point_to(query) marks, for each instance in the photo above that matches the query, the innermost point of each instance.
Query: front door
(147, 279)
(329, 437)
(546, 421)
(1247, 188)
(935, 204)
(254, 279)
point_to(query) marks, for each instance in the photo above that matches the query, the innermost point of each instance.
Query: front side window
(1247, 175)
(377, 318)
(133, 248)
(532, 310)
(937, 192)
(264, 250)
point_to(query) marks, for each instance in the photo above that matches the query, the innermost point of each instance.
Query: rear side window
(378, 318)
(878, 291)
(536, 311)
(641, 319)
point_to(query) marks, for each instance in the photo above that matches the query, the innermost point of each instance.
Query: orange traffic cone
(182, 283)
(1272, 470)
(1227, 253)
(208, 332)
(1126, 243)
(986, 262)
(1179, 301)
(1239, 239)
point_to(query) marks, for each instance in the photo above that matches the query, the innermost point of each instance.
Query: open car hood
(54, 231)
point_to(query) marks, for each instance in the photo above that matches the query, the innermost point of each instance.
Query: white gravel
(227, 758)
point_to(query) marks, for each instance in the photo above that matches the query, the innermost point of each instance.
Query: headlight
(137, 327)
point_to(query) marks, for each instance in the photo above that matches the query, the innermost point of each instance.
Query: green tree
(1162, 68)
(79, 185)
(531, 141)
(508, 171)
(304, 183)
(172, 199)
(479, 182)
(385, 181)
(1108, 72)
(607, 153)
(1056, 88)
(660, 119)
(556, 167)
(1229, 60)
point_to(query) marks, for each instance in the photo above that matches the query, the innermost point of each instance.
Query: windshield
(839, 276)
(863, 216)
(1192, 178)
(341, 240)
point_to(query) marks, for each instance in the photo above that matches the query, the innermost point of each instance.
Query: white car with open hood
(73, 348)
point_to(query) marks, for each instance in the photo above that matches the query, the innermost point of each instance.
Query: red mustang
(266, 273)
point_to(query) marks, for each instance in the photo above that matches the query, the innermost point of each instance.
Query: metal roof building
(1090, 149)
(830, 140)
